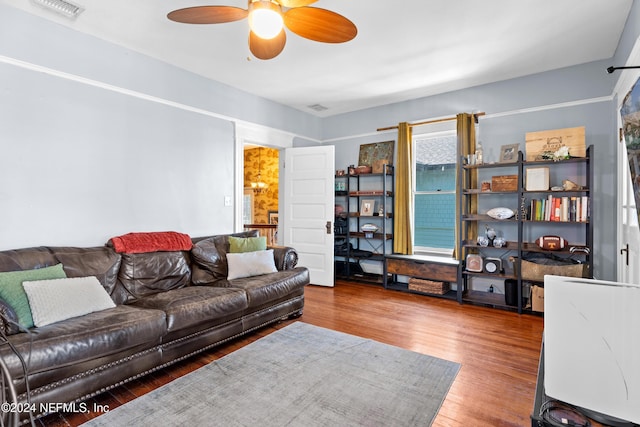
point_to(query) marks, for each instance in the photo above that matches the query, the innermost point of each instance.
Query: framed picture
(367, 207)
(273, 217)
(509, 153)
(376, 155)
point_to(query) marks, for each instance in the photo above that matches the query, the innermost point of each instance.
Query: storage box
(537, 179)
(536, 272)
(428, 286)
(504, 183)
(537, 298)
(537, 143)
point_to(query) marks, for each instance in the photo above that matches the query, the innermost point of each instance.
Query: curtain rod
(428, 122)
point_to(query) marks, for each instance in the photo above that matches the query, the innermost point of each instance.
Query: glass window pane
(436, 163)
(436, 177)
(435, 191)
(435, 218)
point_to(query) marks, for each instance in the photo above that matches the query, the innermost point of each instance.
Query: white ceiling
(404, 49)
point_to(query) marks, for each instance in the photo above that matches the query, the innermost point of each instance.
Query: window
(434, 191)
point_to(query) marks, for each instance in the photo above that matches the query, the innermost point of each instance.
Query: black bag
(341, 246)
(340, 226)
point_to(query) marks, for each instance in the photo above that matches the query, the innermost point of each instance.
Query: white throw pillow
(59, 299)
(247, 264)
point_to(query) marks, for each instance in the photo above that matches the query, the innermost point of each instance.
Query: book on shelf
(561, 209)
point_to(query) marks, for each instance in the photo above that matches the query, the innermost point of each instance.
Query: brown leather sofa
(169, 306)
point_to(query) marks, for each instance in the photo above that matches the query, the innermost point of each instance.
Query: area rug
(301, 375)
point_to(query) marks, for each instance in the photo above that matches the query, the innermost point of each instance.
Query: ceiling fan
(267, 19)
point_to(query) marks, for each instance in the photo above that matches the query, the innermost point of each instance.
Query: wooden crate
(504, 183)
(428, 286)
(551, 140)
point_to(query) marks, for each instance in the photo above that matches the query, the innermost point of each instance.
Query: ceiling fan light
(265, 19)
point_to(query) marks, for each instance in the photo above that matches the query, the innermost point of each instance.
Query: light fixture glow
(259, 185)
(265, 19)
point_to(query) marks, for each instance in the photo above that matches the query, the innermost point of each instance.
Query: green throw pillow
(12, 292)
(247, 244)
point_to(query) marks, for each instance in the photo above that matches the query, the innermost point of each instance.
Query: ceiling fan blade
(208, 14)
(267, 49)
(296, 3)
(320, 25)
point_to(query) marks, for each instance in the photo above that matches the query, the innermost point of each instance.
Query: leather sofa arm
(285, 257)
(8, 319)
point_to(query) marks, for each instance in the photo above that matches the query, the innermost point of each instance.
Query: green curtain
(466, 131)
(403, 202)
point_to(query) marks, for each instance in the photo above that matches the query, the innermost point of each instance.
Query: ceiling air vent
(62, 7)
(317, 107)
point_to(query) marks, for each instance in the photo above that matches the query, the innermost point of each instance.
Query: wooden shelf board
(509, 246)
(501, 276)
(491, 298)
(363, 277)
(404, 287)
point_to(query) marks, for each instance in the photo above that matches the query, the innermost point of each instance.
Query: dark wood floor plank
(498, 350)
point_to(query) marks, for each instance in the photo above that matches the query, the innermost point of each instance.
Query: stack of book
(565, 209)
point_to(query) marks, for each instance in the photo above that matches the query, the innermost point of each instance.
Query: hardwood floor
(498, 350)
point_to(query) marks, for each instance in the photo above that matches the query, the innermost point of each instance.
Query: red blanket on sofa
(136, 243)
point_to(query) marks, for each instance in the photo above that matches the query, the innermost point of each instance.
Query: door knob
(626, 249)
(328, 225)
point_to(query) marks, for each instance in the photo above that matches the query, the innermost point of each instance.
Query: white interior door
(628, 240)
(308, 209)
(629, 233)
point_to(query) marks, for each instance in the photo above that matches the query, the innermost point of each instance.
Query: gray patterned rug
(301, 375)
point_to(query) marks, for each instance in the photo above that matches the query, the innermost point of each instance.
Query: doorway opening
(261, 189)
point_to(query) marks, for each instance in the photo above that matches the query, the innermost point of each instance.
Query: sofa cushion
(270, 287)
(149, 273)
(247, 244)
(249, 264)
(12, 292)
(26, 259)
(194, 305)
(60, 299)
(100, 261)
(209, 256)
(84, 338)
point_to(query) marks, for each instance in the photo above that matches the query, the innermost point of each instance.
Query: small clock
(493, 265)
(474, 263)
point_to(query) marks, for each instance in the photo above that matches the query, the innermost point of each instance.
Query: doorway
(261, 191)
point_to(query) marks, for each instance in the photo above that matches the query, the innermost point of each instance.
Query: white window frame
(427, 133)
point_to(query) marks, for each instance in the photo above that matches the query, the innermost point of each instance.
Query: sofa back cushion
(149, 273)
(26, 259)
(209, 255)
(99, 261)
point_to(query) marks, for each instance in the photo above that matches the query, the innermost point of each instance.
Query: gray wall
(97, 140)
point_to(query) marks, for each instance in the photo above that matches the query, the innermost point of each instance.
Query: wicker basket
(536, 272)
(428, 286)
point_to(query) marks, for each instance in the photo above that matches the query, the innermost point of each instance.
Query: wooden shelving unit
(520, 231)
(365, 246)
